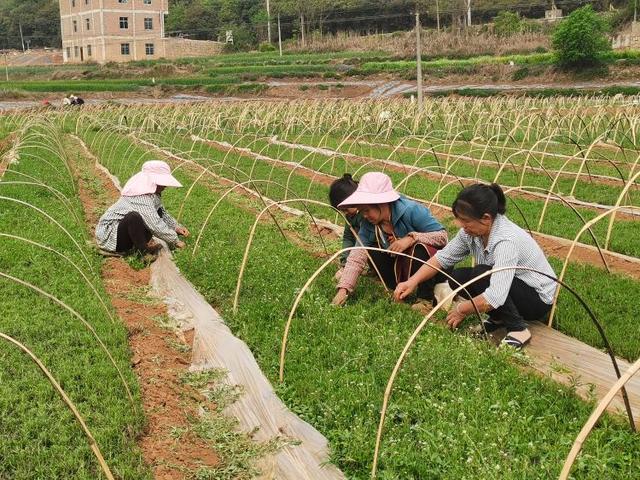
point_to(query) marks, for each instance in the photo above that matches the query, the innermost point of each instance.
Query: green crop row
(559, 219)
(459, 409)
(39, 436)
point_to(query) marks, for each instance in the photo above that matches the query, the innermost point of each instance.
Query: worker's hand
(180, 244)
(341, 297)
(404, 289)
(338, 274)
(182, 231)
(455, 317)
(401, 244)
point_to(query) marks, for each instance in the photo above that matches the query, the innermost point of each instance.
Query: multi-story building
(121, 30)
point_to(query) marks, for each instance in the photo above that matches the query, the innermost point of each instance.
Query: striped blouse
(156, 218)
(508, 246)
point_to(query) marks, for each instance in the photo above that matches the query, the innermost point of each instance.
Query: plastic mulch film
(258, 409)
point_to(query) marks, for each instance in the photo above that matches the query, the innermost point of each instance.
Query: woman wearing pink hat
(138, 215)
(397, 224)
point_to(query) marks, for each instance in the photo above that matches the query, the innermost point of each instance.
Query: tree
(507, 24)
(580, 40)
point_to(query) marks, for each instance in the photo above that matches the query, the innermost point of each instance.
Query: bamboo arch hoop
(42, 212)
(252, 234)
(419, 328)
(242, 186)
(586, 226)
(59, 195)
(79, 317)
(575, 210)
(68, 260)
(618, 202)
(92, 442)
(315, 275)
(595, 416)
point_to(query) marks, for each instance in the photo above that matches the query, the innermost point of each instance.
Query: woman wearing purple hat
(396, 224)
(138, 215)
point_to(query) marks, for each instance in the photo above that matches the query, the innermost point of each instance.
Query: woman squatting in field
(511, 297)
(138, 215)
(396, 224)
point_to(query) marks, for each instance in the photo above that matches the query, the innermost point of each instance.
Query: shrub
(267, 47)
(507, 24)
(580, 40)
(520, 74)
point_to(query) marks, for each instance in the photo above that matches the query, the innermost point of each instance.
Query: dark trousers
(132, 233)
(523, 302)
(395, 269)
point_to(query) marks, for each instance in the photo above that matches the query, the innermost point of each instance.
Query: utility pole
(468, 13)
(438, 14)
(419, 60)
(21, 37)
(279, 35)
(635, 11)
(268, 22)
(6, 65)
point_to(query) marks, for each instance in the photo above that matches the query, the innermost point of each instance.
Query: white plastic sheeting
(258, 409)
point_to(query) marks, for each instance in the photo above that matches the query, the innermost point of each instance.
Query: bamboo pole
(595, 416)
(327, 262)
(252, 234)
(92, 442)
(420, 327)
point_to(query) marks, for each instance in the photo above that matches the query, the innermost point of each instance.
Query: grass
(39, 437)
(453, 391)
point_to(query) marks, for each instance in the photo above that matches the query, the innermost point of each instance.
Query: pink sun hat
(154, 173)
(373, 188)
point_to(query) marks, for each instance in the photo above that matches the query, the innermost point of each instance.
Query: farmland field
(459, 409)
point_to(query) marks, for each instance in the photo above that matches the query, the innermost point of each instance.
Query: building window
(148, 23)
(147, 2)
(86, 2)
(124, 22)
(68, 53)
(73, 3)
(75, 26)
(76, 51)
(88, 22)
(149, 49)
(88, 50)
(123, 1)
(124, 48)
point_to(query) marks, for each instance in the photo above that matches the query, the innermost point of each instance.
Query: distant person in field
(66, 100)
(75, 100)
(394, 224)
(138, 215)
(339, 191)
(511, 297)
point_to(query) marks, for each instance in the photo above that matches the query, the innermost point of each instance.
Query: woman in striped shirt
(139, 215)
(512, 296)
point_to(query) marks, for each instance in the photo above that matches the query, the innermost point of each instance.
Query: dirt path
(160, 356)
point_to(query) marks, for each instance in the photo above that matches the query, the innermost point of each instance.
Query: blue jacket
(406, 216)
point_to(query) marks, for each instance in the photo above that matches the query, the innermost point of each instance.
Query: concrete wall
(629, 38)
(182, 47)
(553, 14)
